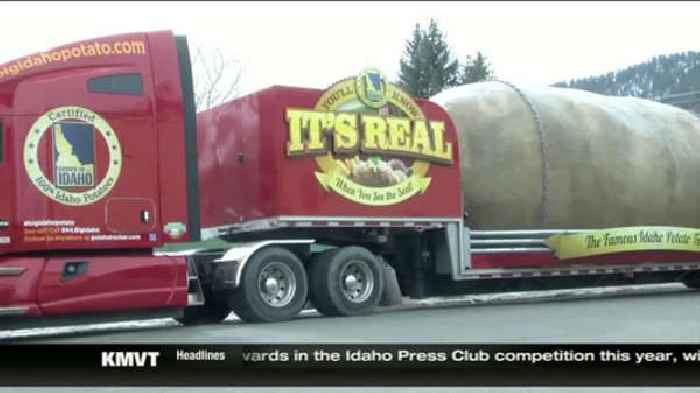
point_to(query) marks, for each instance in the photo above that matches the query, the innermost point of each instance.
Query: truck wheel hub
(277, 284)
(272, 285)
(352, 283)
(357, 281)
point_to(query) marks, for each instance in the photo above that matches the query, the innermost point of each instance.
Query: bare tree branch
(216, 77)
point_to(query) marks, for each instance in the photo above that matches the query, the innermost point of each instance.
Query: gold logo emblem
(371, 141)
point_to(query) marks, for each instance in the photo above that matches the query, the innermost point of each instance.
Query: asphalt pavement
(642, 314)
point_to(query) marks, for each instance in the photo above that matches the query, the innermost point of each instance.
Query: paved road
(667, 314)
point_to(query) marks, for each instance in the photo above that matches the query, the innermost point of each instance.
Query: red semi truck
(104, 160)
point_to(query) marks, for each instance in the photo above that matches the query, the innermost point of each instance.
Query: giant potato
(556, 158)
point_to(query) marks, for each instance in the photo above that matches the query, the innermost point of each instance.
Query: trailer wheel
(273, 287)
(346, 281)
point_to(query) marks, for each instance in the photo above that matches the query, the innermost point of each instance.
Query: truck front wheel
(273, 287)
(346, 281)
(213, 311)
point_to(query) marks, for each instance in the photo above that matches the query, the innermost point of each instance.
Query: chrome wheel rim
(277, 284)
(356, 281)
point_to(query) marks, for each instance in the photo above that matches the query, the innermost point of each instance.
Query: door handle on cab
(145, 216)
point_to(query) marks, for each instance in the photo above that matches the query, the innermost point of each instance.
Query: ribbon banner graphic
(373, 196)
(614, 240)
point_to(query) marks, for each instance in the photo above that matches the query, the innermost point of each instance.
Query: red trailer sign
(361, 148)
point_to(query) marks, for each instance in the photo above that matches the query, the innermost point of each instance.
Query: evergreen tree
(411, 77)
(427, 66)
(476, 69)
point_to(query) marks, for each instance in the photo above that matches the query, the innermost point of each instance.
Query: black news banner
(350, 365)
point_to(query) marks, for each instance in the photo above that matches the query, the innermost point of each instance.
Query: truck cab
(94, 137)
(92, 140)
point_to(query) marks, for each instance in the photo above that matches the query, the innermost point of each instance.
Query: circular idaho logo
(81, 168)
(371, 88)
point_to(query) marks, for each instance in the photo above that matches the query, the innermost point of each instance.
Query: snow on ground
(532, 296)
(492, 298)
(97, 328)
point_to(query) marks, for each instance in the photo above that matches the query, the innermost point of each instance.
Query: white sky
(312, 44)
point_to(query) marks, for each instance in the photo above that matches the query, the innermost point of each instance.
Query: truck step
(195, 293)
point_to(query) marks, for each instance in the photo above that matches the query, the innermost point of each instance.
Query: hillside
(662, 75)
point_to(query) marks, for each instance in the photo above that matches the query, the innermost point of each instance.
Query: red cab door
(86, 171)
(100, 158)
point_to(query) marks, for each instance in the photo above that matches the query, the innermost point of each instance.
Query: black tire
(214, 310)
(209, 313)
(249, 303)
(692, 280)
(328, 288)
(313, 261)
